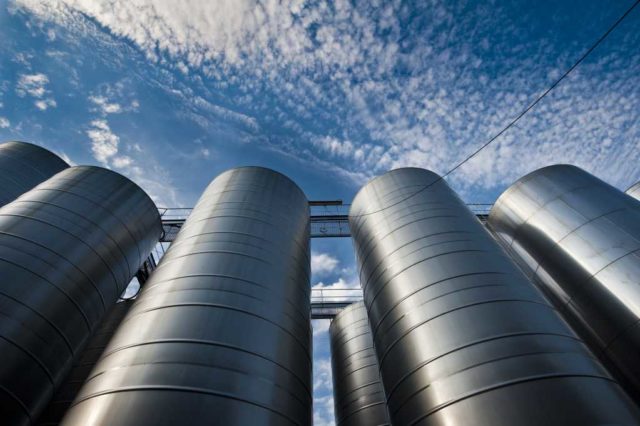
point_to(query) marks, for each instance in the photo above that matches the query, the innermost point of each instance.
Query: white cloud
(335, 146)
(44, 104)
(104, 106)
(156, 181)
(122, 161)
(32, 84)
(4, 123)
(323, 263)
(323, 411)
(23, 59)
(153, 178)
(320, 327)
(388, 95)
(35, 85)
(66, 158)
(341, 284)
(182, 67)
(323, 391)
(104, 143)
(114, 98)
(322, 375)
(245, 121)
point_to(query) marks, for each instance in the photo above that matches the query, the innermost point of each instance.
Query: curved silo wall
(82, 367)
(579, 239)
(634, 191)
(357, 390)
(462, 336)
(68, 248)
(23, 166)
(221, 331)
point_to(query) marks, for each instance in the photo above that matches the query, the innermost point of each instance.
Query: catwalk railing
(326, 302)
(329, 219)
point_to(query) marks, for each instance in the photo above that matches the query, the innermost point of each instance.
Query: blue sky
(329, 94)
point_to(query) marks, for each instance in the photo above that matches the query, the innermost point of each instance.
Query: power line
(519, 116)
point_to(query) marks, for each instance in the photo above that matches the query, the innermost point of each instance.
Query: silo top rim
(38, 147)
(529, 175)
(104, 169)
(392, 171)
(349, 308)
(267, 169)
(637, 184)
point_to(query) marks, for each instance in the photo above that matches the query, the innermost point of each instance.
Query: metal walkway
(327, 302)
(329, 219)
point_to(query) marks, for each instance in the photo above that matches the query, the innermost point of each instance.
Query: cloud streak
(395, 98)
(389, 89)
(35, 85)
(323, 264)
(104, 143)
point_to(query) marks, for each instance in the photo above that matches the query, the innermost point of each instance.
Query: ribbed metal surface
(357, 390)
(579, 239)
(68, 248)
(462, 337)
(220, 333)
(67, 392)
(634, 191)
(23, 166)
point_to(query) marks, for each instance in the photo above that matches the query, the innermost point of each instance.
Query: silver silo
(462, 336)
(68, 248)
(579, 240)
(66, 393)
(357, 391)
(634, 191)
(23, 166)
(221, 331)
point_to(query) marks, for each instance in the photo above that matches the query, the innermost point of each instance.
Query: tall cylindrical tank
(634, 191)
(23, 166)
(68, 248)
(82, 367)
(579, 239)
(221, 331)
(462, 336)
(357, 390)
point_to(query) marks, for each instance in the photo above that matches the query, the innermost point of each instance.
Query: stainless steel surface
(578, 238)
(358, 395)
(634, 191)
(67, 392)
(23, 166)
(68, 248)
(462, 337)
(220, 334)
